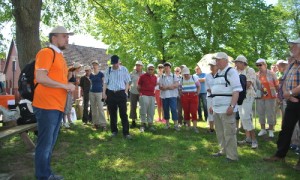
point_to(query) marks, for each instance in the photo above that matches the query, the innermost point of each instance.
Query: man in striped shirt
(115, 92)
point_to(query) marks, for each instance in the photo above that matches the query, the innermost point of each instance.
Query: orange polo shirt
(47, 97)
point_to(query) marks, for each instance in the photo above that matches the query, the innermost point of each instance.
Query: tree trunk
(27, 15)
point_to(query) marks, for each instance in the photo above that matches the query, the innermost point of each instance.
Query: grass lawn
(83, 153)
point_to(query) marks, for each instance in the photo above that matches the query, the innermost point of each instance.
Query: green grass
(83, 153)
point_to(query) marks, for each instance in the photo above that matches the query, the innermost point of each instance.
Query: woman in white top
(160, 69)
(208, 83)
(190, 88)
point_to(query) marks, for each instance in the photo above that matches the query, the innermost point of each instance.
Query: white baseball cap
(281, 62)
(220, 55)
(95, 62)
(241, 58)
(150, 65)
(60, 30)
(260, 60)
(87, 68)
(139, 63)
(185, 70)
(77, 65)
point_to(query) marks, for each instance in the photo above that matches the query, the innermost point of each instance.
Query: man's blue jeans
(170, 103)
(48, 124)
(202, 99)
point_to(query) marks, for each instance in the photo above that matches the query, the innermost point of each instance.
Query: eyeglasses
(258, 65)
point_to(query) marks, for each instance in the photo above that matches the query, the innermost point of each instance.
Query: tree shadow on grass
(83, 153)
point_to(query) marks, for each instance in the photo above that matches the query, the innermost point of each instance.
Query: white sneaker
(152, 128)
(271, 133)
(196, 130)
(254, 145)
(67, 125)
(142, 129)
(262, 132)
(176, 128)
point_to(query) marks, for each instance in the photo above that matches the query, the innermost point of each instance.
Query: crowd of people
(189, 97)
(192, 97)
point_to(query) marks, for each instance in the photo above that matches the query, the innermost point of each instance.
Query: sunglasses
(258, 65)
(177, 71)
(151, 69)
(160, 67)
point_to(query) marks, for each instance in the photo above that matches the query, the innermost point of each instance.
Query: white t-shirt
(220, 86)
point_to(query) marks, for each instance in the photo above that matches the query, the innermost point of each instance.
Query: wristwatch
(231, 106)
(291, 93)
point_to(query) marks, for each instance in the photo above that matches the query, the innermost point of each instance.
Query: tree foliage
(5, 16)
(183, 31)
(291, 16)
(179, 31)
(27, 15)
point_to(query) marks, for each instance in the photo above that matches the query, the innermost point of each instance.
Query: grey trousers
(134, 98)
(147, 104)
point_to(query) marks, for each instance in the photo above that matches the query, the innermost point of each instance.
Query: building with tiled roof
(74, 53)
(85, 55)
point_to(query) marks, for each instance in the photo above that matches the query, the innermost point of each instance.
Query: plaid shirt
(292, 76)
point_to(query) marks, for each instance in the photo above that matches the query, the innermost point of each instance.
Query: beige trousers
(226, 134)
(266, 108)
(98, 116)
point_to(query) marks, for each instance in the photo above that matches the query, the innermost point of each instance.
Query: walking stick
(255, 114)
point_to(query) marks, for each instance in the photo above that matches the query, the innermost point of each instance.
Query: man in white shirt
(225, 95)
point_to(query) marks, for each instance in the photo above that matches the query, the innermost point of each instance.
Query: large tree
(183, 31)
(28, 14)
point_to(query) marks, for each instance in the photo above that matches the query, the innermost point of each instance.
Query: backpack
(27, 116)
(243, 81)
(109, 70)
(26, 80)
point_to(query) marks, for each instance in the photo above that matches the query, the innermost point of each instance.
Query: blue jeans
(170, 103)
(48, 124)
(202, 99)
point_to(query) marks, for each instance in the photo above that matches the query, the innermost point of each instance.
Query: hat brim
(72, 69)
(294, 42)
(239, 61)
(69, 33)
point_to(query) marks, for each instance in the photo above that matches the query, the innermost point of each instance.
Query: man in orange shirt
(50, 98)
